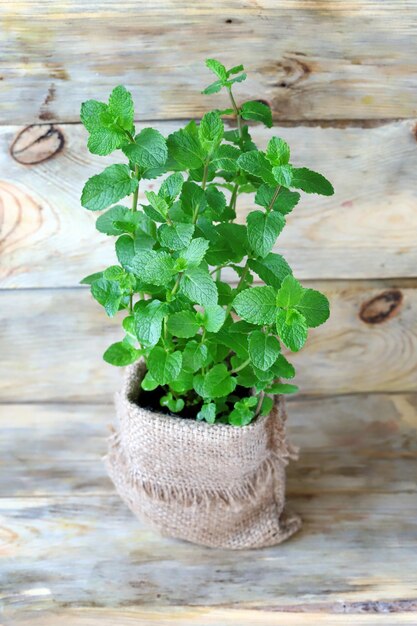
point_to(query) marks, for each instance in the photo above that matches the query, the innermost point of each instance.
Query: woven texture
(214, 485)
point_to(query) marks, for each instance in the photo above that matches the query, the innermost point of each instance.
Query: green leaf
(149, 150)
(272, 269)
(311, 182)
(255, 162)
(148, 383)
(108, 294)
(211, 130)
(217, 383)
(292, 329)
(289, 293)
(235, 70)
(266, 406)
(120, 215)
(121, 107)
(185, 148)
(278, 151)
(284, 202)
(236, 341)
(183, 382)
(263, 230)
(314, 306)
(282, 368)
(164, 367)
(207, 413)
(217, 68)
(120, 354)
(171, 187)
(90, 115)
(103, 139)
(148, 321)
(283, 175)
(225, 158)
(213, 87)
(156, 267)
(175, 237)
(125, 252)
(114, 272)
(102, 190)
(193, 198)
(91, 278)
(263, 350)
(256, 305)
(195, 252)
(194, 356)
(198, 286)
(243, 412)
(282, 388)
(158, 209)
(216, 200)
(254, 110)
(183, 324)
(175, 405)
(213, 318)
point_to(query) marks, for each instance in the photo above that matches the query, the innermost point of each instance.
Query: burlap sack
(214, 485)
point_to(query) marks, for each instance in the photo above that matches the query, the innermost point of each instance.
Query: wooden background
(341, 78)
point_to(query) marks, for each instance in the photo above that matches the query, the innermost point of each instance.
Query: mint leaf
(314, 306)
(149, 150)
(216, 201)
(121, 107)
(120, 354)
(185, 148)
(198, 286)
(108, 294)
(194, 356)
(255, 162)
(195, 252)
(154, 266)
(148, 383)
(211, 130)
(256, 305)
(282, 388)
(213, 318)
(91, 278)
(225, 158)
(171, 187)
(217, 383)
(102, 190)
(117, 220)
(282, 368)
(218, 69)
(283, 175)
(263, 230)
(183, 324)
(311, 182)
(125, 252)
(272, 269)
(175, 237)
(103, 139)
(290, 292)
(163, 366)
(148, 317)
(90, 115)
(207, 413)
(284, 202)
(159, 206)
(193, 198)
(278, 151)
(254, 110)
(292, 329)
(213, 87)
(236, 341)
(183, 382)
(263, 350)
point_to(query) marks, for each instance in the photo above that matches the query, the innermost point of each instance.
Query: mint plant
(202, 340)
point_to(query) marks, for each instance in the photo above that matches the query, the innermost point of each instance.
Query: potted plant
(201, 448)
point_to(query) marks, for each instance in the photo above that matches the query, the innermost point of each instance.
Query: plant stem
(136, 192)
(131, 302)
(274, 197)
(236, 110)
(241, 367)
(240, 283)
(259, 405)
(205, 174)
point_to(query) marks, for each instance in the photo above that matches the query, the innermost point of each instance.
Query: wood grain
(367, 230)
(351, 560)
(311, 60)
(52, 342)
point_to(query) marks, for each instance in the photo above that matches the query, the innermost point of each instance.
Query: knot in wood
(381, 307)
(37, 143)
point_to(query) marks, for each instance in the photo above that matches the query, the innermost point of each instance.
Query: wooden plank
(367, 230)
(53, 340)
(310, 60)
(362, 443)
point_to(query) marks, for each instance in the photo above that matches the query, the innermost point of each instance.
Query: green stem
(240, 283)
(131, 302)
(205, 174)
(274, 197)
(236, 110)
(176, 286)
(136, 192)
(241, 367)
(259, 405)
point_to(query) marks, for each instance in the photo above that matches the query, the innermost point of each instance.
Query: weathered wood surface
(367, 230)
(52, 342)
(71, 552)
(311, 60)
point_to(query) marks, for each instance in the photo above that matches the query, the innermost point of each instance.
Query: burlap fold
(214, 485)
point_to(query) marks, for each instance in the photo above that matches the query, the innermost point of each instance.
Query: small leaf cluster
(202, 339)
